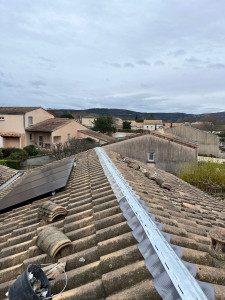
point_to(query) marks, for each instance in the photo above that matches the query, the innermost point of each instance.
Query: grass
(207, 176)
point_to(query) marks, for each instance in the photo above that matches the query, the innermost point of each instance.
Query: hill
(130, 115)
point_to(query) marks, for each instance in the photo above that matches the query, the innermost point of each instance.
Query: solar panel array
(38, 183)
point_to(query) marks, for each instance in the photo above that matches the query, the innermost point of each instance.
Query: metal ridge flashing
(11, 180)
(173, 278)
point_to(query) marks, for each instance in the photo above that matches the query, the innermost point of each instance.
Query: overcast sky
(143, 55)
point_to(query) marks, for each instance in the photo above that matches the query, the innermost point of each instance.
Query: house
(171, 124)
(88, 121)
(163, 150)
(117, 123)
(15, 120)
(99, 137)
(148, 125)
(153, 125)
(53, 131)
(111, 256)
(208, 142)
(136, 125)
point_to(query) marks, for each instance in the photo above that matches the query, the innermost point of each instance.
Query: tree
(68, 116)
(71, 147)
(126, 125)
(104, 124)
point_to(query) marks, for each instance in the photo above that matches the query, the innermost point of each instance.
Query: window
(31, 137)
(68, 136)
(30, 120)
(2, 118)
(151, 156)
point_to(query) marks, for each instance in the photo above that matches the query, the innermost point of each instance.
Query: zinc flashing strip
(11, 180)
(185, 284)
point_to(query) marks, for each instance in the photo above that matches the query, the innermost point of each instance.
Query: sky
(145, 55)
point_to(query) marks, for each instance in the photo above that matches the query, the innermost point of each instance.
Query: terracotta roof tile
(98, 135)
(112, 266)
(17, 110)
(49, 125)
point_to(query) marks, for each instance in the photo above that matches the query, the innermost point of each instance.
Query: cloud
(50, 45)
(37, 83)
(46, 59)
(116, 65)
(194, 60)
(217, 66)
(159, 63)
(143, 63)
(128, 65)
(176, 53)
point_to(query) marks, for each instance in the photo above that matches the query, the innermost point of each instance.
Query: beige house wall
(46, 138)
(11, 142)
(88, 122)
(38, 115)
(12, 123)
(70, 128)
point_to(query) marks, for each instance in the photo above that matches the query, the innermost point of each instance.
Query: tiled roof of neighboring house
(98, 135)
(168, 125)
(10, 134)
(17, 110)
(49, 125)
(6, 173)
(176, 139)
(104, 261)
(153, 122)
(136, 124)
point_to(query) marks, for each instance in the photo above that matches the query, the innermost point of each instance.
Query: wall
(168, 155)
(89, 122)
(46, 138)
(71, 128)
(12, 124)
(38, 115)
(11, 142)
(208, 142)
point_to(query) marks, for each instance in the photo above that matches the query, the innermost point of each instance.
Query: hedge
(14, 164)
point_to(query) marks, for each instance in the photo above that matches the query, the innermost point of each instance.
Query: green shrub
(1, 154)
(8, 151)
(31, 150)
(207, 176)
(19, 155)
(14, 164)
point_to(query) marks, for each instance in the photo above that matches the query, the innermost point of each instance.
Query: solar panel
(38, 183)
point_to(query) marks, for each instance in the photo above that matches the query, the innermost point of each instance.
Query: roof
(49, 125)
(6, 173)
(10, 134)
(104, 261)
(98, 135)
(176, 139)
(136, 124)
(17, 110)
(154, 122)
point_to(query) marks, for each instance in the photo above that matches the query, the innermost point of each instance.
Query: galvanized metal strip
(185, 284)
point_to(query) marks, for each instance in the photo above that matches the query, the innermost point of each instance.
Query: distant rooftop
(17, 110)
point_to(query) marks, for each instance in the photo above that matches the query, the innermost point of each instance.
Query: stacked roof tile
(103, 261)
